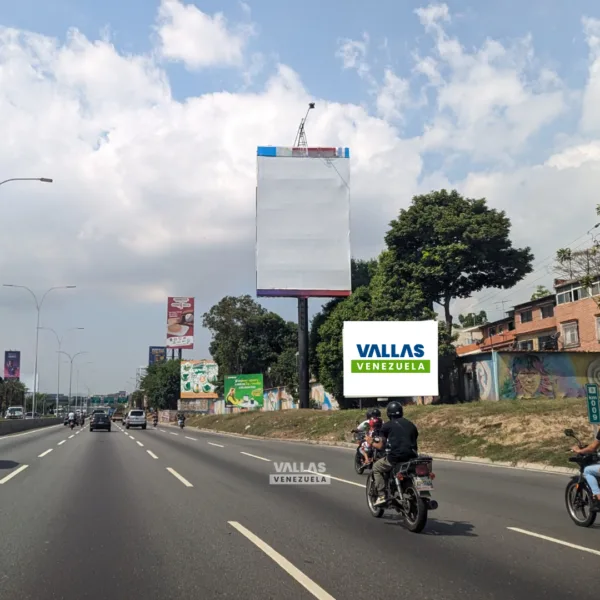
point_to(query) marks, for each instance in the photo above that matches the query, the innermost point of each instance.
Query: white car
(14, 412)
(136, 418)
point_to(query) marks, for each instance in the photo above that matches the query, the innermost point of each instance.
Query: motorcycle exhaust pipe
(433, 504)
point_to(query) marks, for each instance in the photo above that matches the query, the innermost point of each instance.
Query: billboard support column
(303, 375)
(180, 353)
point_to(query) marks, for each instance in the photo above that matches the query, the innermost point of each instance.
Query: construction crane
(301, 141)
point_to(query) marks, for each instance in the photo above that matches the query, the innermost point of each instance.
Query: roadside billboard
(180, 323)
(199, 379)
(384, 359)
(12, 365)
(244, 391)
(157, 354)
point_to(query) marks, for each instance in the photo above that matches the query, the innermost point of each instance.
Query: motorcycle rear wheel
(575, 503)
(375, 511)
(358, 464)
(416, 519)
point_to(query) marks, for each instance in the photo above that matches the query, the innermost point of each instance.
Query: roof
(535, 302)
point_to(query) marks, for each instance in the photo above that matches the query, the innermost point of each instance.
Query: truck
(118, 415)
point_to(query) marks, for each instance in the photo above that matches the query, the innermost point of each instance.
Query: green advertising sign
(244, 391)
(593, 403)
(96, 400)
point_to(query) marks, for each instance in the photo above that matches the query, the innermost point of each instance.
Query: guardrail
(15, 425)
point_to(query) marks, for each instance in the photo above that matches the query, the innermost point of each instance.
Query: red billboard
(180, 323)
(12, 365)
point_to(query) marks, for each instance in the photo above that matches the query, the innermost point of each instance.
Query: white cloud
(393, 96)
(199, 40)
(353, 54)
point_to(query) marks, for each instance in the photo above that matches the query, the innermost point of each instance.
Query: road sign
(593, 403)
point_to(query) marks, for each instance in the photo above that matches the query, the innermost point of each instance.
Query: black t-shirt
(598, 435)
(401, 437)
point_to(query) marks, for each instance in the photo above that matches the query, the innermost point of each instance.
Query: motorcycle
(155, 423)
(409, 486)
(578, 495)
(180, 423)
(359, 461)
(72, 423)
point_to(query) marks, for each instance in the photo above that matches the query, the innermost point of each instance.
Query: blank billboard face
(303, 223)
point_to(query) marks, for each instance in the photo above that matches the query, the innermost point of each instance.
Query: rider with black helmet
(399, 437)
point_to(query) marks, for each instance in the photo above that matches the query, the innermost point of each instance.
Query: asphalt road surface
(169, 514)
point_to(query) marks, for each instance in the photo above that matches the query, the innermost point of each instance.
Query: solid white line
(140, 444)
(284, 563)
(182, 479)
(152, 454)
(61, 443)
(218, 445)
(549, 539)
(362, 485)
(44, 453)
(254, 456)
(11, 475)
(189, 438)
(38, 430)
(71, 436)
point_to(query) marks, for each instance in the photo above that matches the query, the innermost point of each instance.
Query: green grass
(509, 431)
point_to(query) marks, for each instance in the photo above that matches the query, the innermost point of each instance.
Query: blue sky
(512, 121)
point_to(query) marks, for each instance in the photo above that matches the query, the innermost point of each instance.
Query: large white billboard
(303, 222)
(390, 358)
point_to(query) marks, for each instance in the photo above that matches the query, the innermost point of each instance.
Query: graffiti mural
(546, 375)
(478, 378)
(278, 399)
(323, 399)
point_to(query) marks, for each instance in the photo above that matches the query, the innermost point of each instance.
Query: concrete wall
(16, 425)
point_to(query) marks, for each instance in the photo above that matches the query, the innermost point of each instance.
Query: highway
(171, 514)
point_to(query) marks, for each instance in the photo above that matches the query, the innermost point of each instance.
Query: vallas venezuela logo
(390, 358)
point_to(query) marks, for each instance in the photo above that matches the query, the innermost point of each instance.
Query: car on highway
(14, 412)
(99, 420)
(136, 418)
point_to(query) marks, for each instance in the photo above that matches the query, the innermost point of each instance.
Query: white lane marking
(61, 443)
(152, 454)
(254, 456)
(173, 433)
(362, 485)
(549, 539)
(284, 563)
(493, 466)
(189, 438)
(132, 437)
(182, 479)
(38, 430)
(213, 444)
(44, 453)
(71, 436)
(140, 444)
(11, 475)
(163, 431)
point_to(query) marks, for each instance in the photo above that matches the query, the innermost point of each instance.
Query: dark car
(99, 420)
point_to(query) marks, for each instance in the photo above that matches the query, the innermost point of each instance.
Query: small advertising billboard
(12, 365)
(199, 379)
(244, 391)
(156, 354)
(180, 323)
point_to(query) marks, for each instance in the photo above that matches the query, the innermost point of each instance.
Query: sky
(147, 115)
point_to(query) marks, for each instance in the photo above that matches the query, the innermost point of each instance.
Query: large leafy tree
(161, 384)
(450, 247)
(12, 393)
(473, 319)
(541, 291)
(362, 273)
(247, 338)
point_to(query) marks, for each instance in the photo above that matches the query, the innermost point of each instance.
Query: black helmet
(369, 413)
(375, 413)
(394, 410)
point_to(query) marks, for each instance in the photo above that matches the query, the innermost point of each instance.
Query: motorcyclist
(399, 438)
(82, 419)
(71, 417)
(155, 418)
(591, 472)
(181, 418)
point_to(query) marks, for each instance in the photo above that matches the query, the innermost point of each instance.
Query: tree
(472, 319)
(572, 264)
(137, 399)
(161, 384)
(284, 372)
(362, 272)
(540, 292)
(451, 247)
(12, 393)
(247, 338)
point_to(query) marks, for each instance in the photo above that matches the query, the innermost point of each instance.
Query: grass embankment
(511, 431)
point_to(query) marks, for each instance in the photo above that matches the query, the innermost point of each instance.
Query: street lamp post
(42, 179)
(71, 358)
(60, 341)
(38, 305)
(77, 385)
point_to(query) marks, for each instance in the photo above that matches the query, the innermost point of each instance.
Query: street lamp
(77, 383)
(60, 341)
(38, 305)
(71, 358)
(42, 179)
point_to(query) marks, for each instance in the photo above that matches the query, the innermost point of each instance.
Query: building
(498, 335)
(578, 315)
(535, 324)
(467, 335)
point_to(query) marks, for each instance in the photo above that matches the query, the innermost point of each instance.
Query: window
(500, 329)
(564, 297)
(547, 311)
(596, 288)
(511, 326)
(526, 345)
(526, 316)
(546, 342)
(570, 333)
(491, 331)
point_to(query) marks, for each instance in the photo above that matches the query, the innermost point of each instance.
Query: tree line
(441, 248)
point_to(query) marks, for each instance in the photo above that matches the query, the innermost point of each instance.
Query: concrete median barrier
(16, 425)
